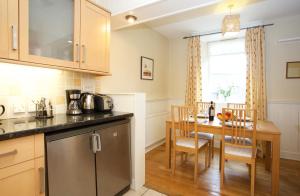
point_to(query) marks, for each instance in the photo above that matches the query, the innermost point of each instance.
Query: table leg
(268, 156)
(275, 165)
(168, 145)
(220, 157)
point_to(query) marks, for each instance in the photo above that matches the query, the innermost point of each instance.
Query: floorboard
(237, 180)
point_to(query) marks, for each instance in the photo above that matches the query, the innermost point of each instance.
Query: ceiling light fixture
(231, 24)
(130, 18)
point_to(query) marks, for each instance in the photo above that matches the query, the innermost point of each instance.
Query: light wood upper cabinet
(9, 44)
(50, 32)
(95, 37)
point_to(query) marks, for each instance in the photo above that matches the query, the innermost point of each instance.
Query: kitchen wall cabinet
(95, 35)
(22, 170)
(65, 34)
(9, 48)
(50, 32)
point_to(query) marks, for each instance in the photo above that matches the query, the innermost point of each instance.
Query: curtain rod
(218, 32)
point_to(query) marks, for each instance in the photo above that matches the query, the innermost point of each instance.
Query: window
(224, 71)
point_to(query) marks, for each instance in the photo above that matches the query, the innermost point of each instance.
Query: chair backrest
(203, 107)
(239, 122)
(236, 105)
(185, 118)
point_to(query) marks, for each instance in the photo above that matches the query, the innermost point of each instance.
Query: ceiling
(178, 18)
(209, 18)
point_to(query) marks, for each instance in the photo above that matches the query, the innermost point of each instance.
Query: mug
(3, 109)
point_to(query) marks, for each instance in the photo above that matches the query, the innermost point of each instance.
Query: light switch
(19, 108)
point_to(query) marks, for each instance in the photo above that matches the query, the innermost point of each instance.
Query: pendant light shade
(231, 24)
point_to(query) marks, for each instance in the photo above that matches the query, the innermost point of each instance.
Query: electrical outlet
(31, 107)
(19, 108)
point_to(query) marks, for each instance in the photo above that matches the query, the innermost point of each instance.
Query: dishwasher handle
(96, 143)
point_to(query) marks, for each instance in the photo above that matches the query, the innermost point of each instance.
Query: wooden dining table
(265, 131)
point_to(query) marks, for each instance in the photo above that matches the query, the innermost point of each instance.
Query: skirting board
(154, 145)
(289, 155)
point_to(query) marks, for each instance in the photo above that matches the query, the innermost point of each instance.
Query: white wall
(277, 54)
(284, 94)
(127, 47)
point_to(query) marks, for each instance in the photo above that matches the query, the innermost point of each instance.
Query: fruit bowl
(226, 116)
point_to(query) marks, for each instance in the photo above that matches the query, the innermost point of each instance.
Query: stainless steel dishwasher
(90, 161)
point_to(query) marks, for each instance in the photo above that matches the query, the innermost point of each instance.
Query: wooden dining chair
(236, 105)
(228, 138)
(184, 121)
(202, 108)
(238, 149)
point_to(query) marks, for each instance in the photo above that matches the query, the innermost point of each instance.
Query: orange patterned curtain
(256, 82)
(193, 81)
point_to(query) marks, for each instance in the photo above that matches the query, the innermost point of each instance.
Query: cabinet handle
(14, 38)
(98, 143)
(94, 142)
(42, 179)
(13, 152)
(83, 53)
(77, 53)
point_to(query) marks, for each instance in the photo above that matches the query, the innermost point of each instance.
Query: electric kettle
(3, 110)
(87, 103)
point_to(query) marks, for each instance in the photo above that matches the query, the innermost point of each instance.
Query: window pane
(226, 47)
(225, 72)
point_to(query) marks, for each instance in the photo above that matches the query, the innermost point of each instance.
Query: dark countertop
(19, 127)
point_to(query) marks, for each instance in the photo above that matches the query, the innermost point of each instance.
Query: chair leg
(207, 155)
(196, 167)
(249, 169)
(222, 170)
(181, 157)
(252, 178)
(209, 150)
(186, 156)
(213, 147)
(174, 162)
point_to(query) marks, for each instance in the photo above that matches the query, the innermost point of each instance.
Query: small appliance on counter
(87, 103)
(42, 109)
(73, 102)
(103, 103)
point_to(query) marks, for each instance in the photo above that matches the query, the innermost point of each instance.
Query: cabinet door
(9, 29)
(18, 180)
(71, 165)
(113, 161)
(95, 35)
(50, 32)
(40, 176)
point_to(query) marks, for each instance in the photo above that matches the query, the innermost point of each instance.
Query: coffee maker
(73, 102)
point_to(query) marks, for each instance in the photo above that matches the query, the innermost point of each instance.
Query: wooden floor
(237, 181)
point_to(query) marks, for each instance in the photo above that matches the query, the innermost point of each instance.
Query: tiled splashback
(20, 84)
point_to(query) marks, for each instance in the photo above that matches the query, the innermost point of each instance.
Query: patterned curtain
(193, 81)
(256, 82)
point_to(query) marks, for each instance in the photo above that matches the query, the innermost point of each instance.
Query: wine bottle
(211, 111)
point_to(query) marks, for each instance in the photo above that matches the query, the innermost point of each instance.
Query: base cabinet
(22, 172)
(90, 161)
(18, 180)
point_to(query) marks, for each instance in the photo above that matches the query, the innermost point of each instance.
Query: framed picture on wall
(293, 70)
(147, 68)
